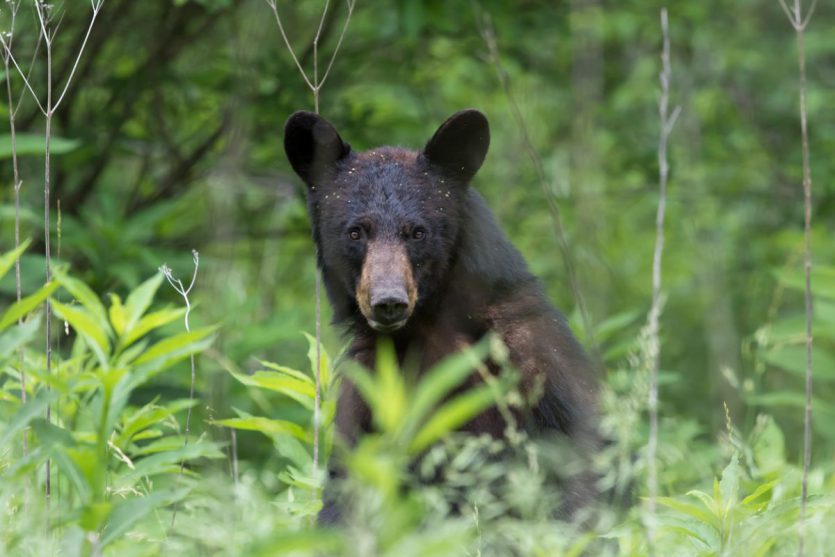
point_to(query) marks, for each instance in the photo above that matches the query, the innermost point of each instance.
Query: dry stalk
(488, 34)
(184, 292)
(799, 22)
(315, 85)
(668, 120)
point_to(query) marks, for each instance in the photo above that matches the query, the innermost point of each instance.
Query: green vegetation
(169, 139)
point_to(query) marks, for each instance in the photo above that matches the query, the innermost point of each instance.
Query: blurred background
(173, 142)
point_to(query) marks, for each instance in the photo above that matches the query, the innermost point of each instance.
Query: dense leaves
(169, 140)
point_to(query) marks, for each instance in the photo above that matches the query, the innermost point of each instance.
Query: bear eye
(418, 233)
(355, 233)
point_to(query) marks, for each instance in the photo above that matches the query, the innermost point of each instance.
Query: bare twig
(351, 4)
(799, 22)
(7, 51)
(184, 292)
(315, 86)
(274, 8)
(488, 34)
(654, 343)
(96, 5)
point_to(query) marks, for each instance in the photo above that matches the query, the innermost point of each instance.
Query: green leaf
(689, 509)
(823, 280)
(77, 464)
(8, 258)
(94, 515)
(267, 426)
(169, 351)
(302, 392)
(443, 378)
(324, 363)
(615, 323)
(87, 326)
(287, 371)
(453, 415)
(689, 532)
(51, 435)
(85, 296)
(364, 383)
(118, 317)
(729, 484)
(793, 359)
(34, 408)
(16, 337)
(150, 322)
(26, 305)
(127, 513)
(149, 415)
(140, 299)
(712, 504)
(769, 446)
(169, 461)
(391, 401)
(307, 542)
(27, 144)
(753, 500)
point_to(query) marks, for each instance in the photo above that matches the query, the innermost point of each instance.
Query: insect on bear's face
(385, 221)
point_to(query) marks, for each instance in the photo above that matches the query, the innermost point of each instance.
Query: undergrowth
(126, 480)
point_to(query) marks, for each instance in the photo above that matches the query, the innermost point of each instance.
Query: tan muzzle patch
(386, 293)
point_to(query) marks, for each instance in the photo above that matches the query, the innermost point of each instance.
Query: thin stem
(799, 23)
(43, 18)
(809, 14)
(274, 7)
(96, 7)
(315, 87)
(23, 91)
(338, 42)
(234, 436)
(316, 57)
(654, 343)
(184, 292)
(8, 52)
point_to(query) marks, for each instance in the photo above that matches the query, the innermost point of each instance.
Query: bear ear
(460, 144)
(313, 146)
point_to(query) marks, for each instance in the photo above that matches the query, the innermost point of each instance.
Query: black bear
(408, 249)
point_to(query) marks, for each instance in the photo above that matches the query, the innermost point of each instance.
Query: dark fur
(470, 279)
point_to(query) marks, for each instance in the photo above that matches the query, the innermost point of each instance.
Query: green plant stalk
(799, 22)
(807, 265)
(46, 192)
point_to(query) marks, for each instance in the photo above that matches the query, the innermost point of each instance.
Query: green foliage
(106, 452)
(164, 148)
(28, 144)
(407, 416)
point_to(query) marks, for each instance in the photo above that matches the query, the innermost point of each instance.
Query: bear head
(385, 221)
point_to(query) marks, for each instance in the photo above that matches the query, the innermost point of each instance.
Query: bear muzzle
(386, 293)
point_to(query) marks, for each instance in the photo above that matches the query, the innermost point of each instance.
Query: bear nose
(390, 310)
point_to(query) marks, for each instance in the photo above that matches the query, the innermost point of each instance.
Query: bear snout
(391, 310)
(386, 293)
